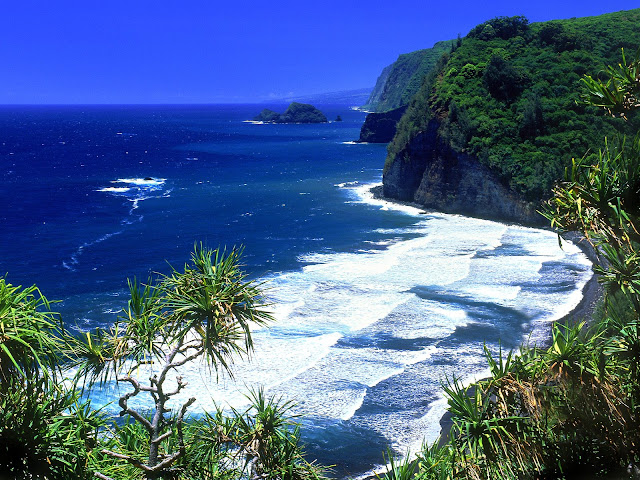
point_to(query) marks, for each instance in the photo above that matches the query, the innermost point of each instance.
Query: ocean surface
(376, 303)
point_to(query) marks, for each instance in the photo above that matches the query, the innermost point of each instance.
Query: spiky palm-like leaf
(620, 93)
(399, 468)
(213, 299)
(29, 333)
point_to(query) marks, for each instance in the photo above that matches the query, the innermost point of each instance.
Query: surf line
(74, 256)
(141, 186)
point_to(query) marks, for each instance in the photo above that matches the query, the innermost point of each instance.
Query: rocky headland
(429, 172)
(381, 127)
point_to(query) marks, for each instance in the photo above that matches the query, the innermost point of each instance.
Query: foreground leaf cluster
(203, 312)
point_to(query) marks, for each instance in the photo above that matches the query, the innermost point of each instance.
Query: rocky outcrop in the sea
(267, 116)
(381, 127)
(295, 113)
(429, 172)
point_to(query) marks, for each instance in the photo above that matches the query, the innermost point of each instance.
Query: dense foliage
(203, 312)
(571, 410)
(509, 95)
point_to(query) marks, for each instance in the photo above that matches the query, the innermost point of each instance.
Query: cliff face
(376, 93)
(508, 97)
(429, 172)
(381, 127)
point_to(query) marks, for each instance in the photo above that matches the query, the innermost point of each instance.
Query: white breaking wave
(385, 326)
(114, 189)
(138, 189)
(141, 181)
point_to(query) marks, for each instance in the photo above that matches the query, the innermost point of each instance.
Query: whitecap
(141, 181)
(347, 184)
(352, 409)
(114, 189)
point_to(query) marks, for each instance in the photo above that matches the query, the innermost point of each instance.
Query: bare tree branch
(101, 476)
(180, 386)
(133, 461)
(162, 437)
(126, 410)
(187, 359)
(183, 410)
(168, 363)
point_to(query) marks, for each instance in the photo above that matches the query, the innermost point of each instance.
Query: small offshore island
(295, 113)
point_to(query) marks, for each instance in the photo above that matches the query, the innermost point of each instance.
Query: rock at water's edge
(381, 127)
(429, 172)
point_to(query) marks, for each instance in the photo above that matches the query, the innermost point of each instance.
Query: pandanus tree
(204, 311)
(46, 430)
(602, 200)
(573, 407)
(29, 334)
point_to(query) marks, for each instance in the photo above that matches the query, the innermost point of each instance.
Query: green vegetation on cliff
(570, 410)
(400, 81)
(509, 96)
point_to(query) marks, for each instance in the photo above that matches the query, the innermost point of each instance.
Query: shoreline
(592, 293)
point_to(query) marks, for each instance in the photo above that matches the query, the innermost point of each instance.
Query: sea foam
(360, 329)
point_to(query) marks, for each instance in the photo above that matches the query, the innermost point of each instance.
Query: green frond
(29, 333)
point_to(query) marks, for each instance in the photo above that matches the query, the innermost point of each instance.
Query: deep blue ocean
(375, 303)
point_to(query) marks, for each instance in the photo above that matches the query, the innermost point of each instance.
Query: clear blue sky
(212, 51)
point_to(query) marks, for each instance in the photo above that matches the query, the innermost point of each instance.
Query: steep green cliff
(376, 94)
(400, 81)
(508, 100)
